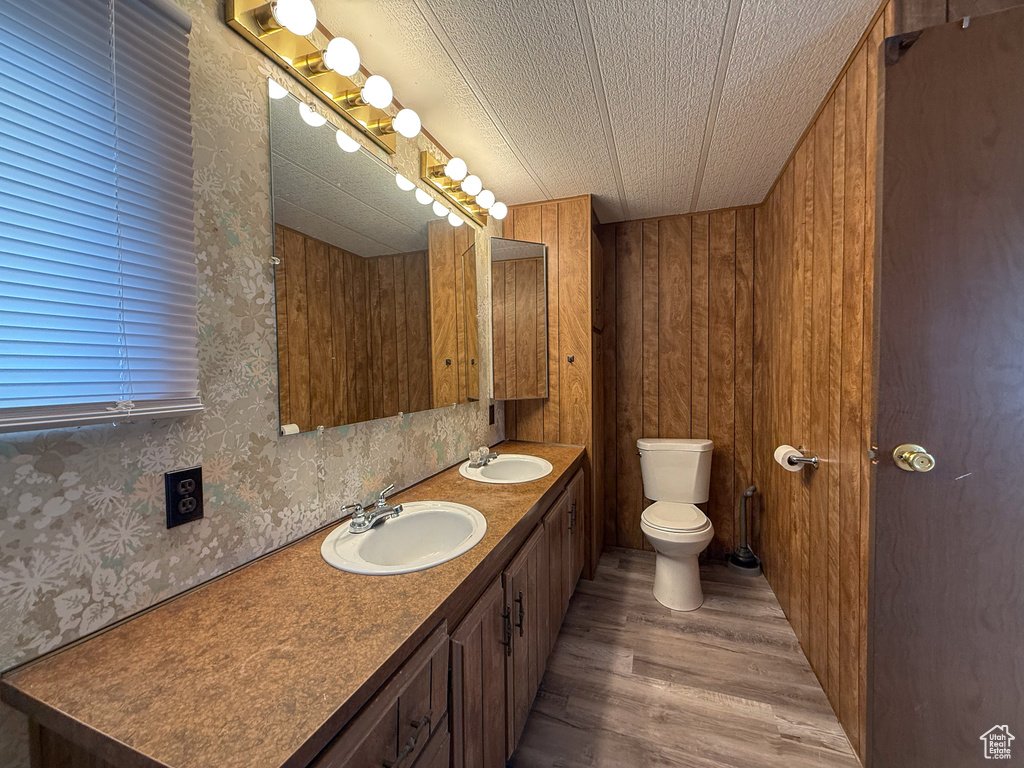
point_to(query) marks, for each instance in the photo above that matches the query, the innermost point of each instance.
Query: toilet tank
(676, 469)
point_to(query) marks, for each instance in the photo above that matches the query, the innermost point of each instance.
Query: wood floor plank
(632, 683)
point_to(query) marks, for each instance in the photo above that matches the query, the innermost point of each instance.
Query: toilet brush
(743, 561)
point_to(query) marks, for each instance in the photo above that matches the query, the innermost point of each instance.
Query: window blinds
(97, 260)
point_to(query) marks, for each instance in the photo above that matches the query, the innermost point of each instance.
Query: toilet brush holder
(742, 560)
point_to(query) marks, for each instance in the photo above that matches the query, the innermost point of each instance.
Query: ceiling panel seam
(724, 53)
(597, 80)
(661, 47)
(460, 65)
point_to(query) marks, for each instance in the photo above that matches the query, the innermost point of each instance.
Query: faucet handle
(355, 511)
(383, 496)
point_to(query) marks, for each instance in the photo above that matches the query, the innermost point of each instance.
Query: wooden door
(577, 504)
(479, 648)
(946, 630)
(555, 528)
(526, 597)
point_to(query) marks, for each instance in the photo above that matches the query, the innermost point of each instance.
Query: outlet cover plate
(184, 492)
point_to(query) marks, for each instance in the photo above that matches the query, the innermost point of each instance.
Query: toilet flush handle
(913, 458)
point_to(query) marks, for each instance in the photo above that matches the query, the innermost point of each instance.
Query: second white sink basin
(425, 534)
(508, 468)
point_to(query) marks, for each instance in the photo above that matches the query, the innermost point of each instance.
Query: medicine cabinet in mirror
(520, 319)
(376, 292)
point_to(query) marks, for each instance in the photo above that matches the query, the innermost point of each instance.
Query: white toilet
(676, 475)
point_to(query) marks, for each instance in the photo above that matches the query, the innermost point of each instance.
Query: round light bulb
(277, 91)
(485, 199)
(407, 123)
(423, 198)
(454, 220)
(403, 183)
(439, 209)
(297, 16)
(499, 211)
(346, 142)
(310, 117)
(377, 92)
(456, 169)
(472, 185)
(342, 56)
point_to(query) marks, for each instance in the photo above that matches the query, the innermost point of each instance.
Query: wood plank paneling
(722, 375)
(814, 292)
(629, 381)
(681, 309)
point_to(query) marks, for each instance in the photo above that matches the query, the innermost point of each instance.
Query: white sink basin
(508, 468)
(425, 534)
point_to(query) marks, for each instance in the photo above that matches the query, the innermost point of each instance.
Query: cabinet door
(526, 597)
(556, 529)
(479, 649)
(577, 511)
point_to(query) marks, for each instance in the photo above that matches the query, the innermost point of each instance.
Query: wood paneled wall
(453, 321)
(678, 340)
(520, 325)
(813, 308)
(352, 333)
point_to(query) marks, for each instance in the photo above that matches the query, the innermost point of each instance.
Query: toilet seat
(675, 517)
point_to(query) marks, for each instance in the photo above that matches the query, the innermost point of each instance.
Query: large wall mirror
(519, 317)
(376, 293)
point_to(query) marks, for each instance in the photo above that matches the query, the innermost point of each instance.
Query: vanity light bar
(462, 189)
(287, 32)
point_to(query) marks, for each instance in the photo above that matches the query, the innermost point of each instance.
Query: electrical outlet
(184, 492)
(490, 415)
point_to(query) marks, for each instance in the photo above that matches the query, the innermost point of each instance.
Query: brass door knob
(913, 458)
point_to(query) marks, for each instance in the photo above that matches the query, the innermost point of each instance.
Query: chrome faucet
(481, 458)
(364, 519)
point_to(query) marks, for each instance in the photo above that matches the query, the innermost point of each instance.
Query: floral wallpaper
(82, 534)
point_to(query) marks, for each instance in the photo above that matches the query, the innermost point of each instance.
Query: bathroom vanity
(290, 662)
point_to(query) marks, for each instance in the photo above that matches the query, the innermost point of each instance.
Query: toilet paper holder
(793, 459)
(798, 460)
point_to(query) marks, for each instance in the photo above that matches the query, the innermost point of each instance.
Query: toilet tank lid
(673, 444)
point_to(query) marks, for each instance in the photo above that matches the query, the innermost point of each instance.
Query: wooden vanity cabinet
(480, 645)
(500, 649)
(576, 493)
(406, 720)
(527, 598)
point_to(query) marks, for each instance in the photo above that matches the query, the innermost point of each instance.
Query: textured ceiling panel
(531, 61)
(395, 40)
(658, 64)
(653, 106)
(785, 58)
(348, 200)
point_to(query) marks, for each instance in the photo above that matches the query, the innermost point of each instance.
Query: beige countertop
(263, 666)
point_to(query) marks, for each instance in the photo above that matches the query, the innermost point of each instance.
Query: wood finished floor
(631, 683)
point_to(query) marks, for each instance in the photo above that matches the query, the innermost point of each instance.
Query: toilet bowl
(678, 533)
(677, 475)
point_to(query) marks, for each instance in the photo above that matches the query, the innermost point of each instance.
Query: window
(97, 255)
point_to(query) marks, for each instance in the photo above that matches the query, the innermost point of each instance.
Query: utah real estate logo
(997, 742)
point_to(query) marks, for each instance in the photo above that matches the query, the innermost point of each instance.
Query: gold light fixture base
(449, 189)
(302, 58)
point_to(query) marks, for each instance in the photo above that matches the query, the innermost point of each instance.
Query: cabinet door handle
(506, 630)
(410, 745)
(519, 600)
